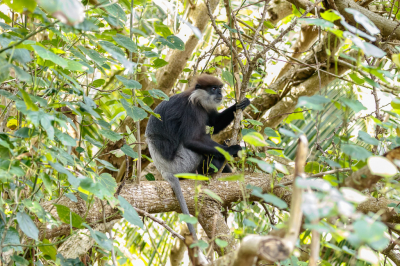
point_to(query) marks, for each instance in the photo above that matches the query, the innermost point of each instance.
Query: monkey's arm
(221, 120)
(206, 145)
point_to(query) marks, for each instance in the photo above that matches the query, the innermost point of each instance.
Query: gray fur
(209, 102)
(185, 161)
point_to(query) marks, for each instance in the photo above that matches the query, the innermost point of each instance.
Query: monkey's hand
(243, 104)
(234, 149)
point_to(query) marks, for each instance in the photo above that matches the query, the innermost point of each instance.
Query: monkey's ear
(198, 86)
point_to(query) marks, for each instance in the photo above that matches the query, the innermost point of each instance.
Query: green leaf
(47, 55)
(367, 138)
(330, 15)
(46, 124)
(229, 28)
(98, 83)
(27, 225)
(360, 18)
(159, 63)
(68, 217)
(65, 139)
(269, 198)
(107, 165)
(28, 101)
(50, 251)
(11, 237)
(129, 151)
(47, 182)
(225, 154)
(71, 178)
(270, 132)
(239, 177)
(221, 243)
(125, 42)
(162, 29)
(353, 104)
(70, 12)
(20, 5)
(255, 138)
(317, 22)
(100, 238)
(269, 91)
(129, 83)
(228, 77)
(356, 79)
(254, 122)
(130, 213)
(136, 113)
(93, 54)
(178, 43)
(269, 168)
(314, 102)
(356, 152)
(107, 181)
(187, 219)
(158, 94)
(192, 176)
(213, 195)
(111, 135)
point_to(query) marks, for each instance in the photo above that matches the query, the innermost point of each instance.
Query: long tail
(176, 187)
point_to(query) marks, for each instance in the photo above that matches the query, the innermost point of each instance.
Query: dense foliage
(79, 79)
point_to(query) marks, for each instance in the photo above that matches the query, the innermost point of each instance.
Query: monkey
(178, 142)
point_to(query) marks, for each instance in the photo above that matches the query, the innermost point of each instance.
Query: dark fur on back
(179, 119)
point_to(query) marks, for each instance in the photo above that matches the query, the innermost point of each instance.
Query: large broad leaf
(269, 168)
(107, 181)
(68, 217)
(367, 138)
(129, 151)
(364, 21)
(125, 42)
(314, 102)
(136, 113)
(130, 213)
(27, 225)
(100, 238)
(12, 237)
(28, 101)
(70, 12)
(47, 55)
(71, 178)
(255, 138)
(353, 104)
(48, 250)
(129, 83)
(269, 198)
(317, 21)
(356, 152)
(111, 135)
(20, 5)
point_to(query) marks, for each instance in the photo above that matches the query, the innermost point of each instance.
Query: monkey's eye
(214, 88)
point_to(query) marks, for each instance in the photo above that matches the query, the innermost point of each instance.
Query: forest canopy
(316, 183)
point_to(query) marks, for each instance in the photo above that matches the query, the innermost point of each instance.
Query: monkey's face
(209, 98)
(215, 94)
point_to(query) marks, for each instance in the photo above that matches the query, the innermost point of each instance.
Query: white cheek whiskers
(206, 100)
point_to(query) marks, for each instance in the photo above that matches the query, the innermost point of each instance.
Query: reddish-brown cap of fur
(205, 80)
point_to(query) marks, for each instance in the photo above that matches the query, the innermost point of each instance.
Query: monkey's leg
(176, 187)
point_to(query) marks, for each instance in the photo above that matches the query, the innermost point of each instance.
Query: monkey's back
(179, 120)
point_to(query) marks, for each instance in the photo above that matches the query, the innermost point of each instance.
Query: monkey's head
(206, 90)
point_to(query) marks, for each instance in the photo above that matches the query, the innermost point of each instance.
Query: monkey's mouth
(218, 99)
